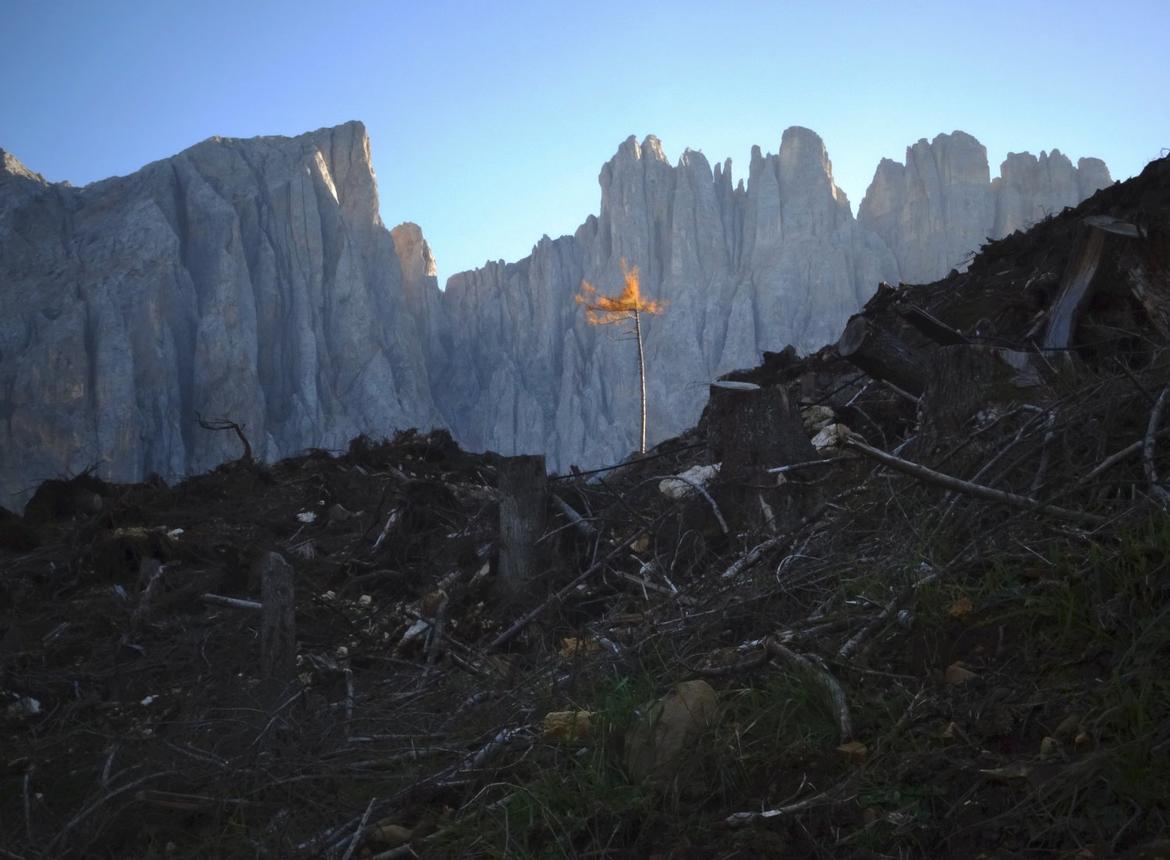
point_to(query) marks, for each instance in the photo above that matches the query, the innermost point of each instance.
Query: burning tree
(628, 305)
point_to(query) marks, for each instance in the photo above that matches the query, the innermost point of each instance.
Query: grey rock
(656, 746)
(935, 211)
(1030, 188)
(740, 270)
(940, 207)
(251, 279)
(254, 280)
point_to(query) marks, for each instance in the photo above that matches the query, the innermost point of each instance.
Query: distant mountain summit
(254, 280)
(939, 207)
(249, 279)
(743, 267)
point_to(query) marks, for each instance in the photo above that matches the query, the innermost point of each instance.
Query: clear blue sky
(490, 120)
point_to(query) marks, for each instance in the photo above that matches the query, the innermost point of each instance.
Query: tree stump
(751, 431)
(278, 625)
(965, 380)
(523, 485)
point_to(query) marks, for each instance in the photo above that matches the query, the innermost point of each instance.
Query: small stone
(567, 725)
(1068, 727)
(655, 746)
(391, 835)
(957, 673)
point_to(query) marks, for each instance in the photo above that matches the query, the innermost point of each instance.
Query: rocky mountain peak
(937, 209)
(243, 278)
(414, 253)
(254, 280)
(10, 165)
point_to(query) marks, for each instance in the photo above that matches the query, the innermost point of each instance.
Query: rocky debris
(690, 481)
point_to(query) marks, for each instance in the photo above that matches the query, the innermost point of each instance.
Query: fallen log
(932, 327)
(883, 355)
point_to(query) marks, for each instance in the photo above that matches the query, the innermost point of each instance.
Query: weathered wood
(750, 432)
(523, 485)
(150, 584)
(1075, 289)
(950, 482)
(232, 602)
(755, 429)
(932, 327)
(1157, 488)
(965, 380)
(582, 525)
(278, 631)
(883, 355)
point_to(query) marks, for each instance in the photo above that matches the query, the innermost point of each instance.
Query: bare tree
(628, 305)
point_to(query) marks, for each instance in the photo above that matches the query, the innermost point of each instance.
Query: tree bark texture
(278, 628)
(749, 433)
(883, 355)
(523, 485)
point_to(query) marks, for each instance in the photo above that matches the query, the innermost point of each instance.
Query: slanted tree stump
(967, 380)
(750, 431)
(968, 389)
(523, 485)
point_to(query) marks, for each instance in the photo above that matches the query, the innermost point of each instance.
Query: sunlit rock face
(247, 279)
(253, 280)
(740, 269)
(1030, 188)
(936, 210)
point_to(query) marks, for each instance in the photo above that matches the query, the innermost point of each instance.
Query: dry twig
(1159, 491)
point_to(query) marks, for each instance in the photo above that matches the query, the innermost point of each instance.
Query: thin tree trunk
(641, 375)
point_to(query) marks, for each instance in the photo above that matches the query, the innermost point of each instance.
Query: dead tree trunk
(883, 355)
(1075, 290)
(523, 486)
(278, 630)
(641, 377)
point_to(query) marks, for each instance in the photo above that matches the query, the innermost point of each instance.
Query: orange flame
(606, 309)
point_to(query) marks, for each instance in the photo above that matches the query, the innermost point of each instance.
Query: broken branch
(979, 490)
(1159, 491)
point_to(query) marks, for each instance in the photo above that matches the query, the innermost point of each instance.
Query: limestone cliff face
(940, 207)
(741, 269)
(934, 211)
(254, 280)
(245, 279)
(1030, 188)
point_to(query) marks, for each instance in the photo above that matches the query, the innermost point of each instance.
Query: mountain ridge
(254, 279)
